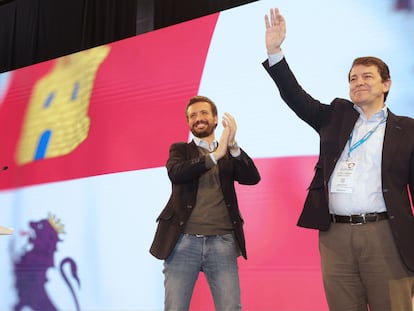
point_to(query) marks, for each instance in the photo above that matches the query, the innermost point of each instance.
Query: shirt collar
(382, 114)
(203, 144)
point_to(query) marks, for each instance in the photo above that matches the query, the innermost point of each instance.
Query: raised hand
(275, 31)
(230, 122)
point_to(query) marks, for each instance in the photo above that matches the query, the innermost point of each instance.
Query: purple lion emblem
(31, 268)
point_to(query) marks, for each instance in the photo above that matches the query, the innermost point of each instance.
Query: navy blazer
(185, 165)
(334, 124)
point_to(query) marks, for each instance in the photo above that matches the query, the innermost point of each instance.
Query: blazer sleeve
(245, 171)
(185, 164)
(304, 105)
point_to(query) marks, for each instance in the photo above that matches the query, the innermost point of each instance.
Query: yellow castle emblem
(57, 121)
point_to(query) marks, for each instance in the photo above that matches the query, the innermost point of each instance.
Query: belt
(359, 219)
(205, 236)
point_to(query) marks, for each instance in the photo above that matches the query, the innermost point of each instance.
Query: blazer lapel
(350, 118)
(342, 133)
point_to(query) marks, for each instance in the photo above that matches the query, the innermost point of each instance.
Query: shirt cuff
(235, 152)
(275, 58)
(213, 161)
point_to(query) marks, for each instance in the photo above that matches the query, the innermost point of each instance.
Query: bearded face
(202, 129)
(201, 121)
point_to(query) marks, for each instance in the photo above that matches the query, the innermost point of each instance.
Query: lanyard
(363, 139)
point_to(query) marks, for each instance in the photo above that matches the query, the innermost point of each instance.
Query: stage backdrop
(86, 137)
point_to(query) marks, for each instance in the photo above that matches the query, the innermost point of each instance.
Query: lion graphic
(31, 268)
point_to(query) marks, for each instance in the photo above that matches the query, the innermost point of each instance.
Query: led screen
(85, 138)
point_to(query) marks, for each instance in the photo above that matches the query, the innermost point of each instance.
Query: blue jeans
(216, 256)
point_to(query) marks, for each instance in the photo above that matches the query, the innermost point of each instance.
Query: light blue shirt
(275, 58)
(366, 195)
(203, 144)
(213, 146)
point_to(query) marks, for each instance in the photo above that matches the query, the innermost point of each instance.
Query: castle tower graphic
(56, 120)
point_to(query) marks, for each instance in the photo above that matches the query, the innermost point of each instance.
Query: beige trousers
(362, 269)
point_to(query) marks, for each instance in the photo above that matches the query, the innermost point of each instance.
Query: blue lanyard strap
(363, 139)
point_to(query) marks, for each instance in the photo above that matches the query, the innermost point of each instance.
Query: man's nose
(359, 81)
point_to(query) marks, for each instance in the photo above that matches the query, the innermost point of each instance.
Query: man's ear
(387, 85)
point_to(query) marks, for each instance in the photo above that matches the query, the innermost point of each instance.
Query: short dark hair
(199, 98)
(382, 67)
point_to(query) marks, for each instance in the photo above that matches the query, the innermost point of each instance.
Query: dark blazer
(185, 165)
(334, 124)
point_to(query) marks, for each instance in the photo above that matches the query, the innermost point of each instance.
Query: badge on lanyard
(343, 178)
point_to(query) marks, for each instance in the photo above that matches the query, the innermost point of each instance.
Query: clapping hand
(228, 135)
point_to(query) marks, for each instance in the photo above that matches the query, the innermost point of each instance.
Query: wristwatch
(234, 145)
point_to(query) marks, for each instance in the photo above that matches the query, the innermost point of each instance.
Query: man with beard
(201, 228)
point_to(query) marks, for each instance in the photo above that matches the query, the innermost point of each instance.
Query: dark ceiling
(32, 31)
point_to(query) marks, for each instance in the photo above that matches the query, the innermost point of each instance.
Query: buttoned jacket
(185, 165)
(334, 124)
